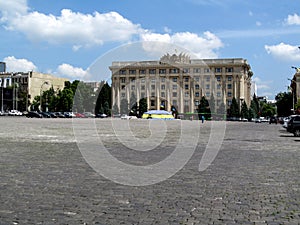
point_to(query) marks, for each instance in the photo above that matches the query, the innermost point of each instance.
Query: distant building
(253, 89)
(19, 89)
(177, 80)
(295, 85)
(2, 67)
(94, 85)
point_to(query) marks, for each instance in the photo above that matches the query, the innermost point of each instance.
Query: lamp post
(41, 90)
(293, 94)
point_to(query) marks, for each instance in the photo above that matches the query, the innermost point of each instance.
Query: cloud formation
(71, 71)
(202, 46)
(284, 51)
(293, 19)
(86, 30)
(18, 65)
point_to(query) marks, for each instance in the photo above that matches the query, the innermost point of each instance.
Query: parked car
(14, 113)
(60, 115)
(34, 114)
(273, 119)
(101, 115)
(89, 115)
(79, 115)
(45, 114)
(293, 126)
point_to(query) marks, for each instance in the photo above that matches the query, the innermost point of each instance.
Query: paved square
(45, 180)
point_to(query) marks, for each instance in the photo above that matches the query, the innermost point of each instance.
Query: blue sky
(66, 37)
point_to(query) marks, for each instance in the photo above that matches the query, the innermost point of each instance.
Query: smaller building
(18, 90)
(295, 85)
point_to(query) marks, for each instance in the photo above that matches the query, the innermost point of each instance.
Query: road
(45, 179)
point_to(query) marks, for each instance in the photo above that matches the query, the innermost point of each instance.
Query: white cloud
(258, 23)
(293, 19)
(69, 27)
(10, 9)
(18, 65)
(284, 51)
(202, 47)
(261, 85)
(71, 71)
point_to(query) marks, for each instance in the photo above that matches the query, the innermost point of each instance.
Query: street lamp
(292, 81)
(41, 90)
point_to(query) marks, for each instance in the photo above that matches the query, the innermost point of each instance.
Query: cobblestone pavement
(45, 180)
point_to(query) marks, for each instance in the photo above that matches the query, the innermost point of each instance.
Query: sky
(68, 37)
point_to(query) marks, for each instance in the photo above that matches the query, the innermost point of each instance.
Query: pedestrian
(202, 118)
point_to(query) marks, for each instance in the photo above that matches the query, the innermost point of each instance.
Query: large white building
(180, 81)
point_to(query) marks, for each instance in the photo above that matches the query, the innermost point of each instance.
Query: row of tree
(78, 96)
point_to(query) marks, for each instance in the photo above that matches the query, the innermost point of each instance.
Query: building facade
(295, 85)
(177, 80)
(18, 90)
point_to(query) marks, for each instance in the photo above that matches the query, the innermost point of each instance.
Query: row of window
(175, 79)
(176, 70)
(175, 86)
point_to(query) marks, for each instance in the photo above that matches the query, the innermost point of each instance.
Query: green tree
(284, 103)
(267, 110)
(124, 106)
(204, 109)
(103, 102)
(143, 106)
(234, 109)
(244, 110)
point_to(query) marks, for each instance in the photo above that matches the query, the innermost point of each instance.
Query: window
(197, 79)
(197, 70)
(174, 102)
(143, 87)
(229, 70)
(197, 94)
(229, 86)
(163, 79)
(186, 79)
(174, 94)
(163, 87)
(206, 70)
(162, 94)
(218, 86)
(152, 102)
(207, 78)
(153, 80)
(218, 70)
(229, 94)
(132, 71)
(152, 94)
(133, 87)
(174, 79)
(186, 86)
(186, 70)
(123, 95)
(229, 102)
(142, 71)
(174, 87)
(207, 87)
(218, 78)
(196, 102)
(186, 102)
(123, 79)
(143, 95)
(132, 80)
(152, 87)
(152, 71)
(207, 94)
(123, 87)
(175, 70)
(122, 72)
(162, 71)
(229, 78)
(143, 80)
(186, 94)
(197, 86)
(218, 94)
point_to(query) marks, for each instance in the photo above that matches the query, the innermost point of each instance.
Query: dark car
(33, 114)
(293, 126)
(45, 114)
(273, 119)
